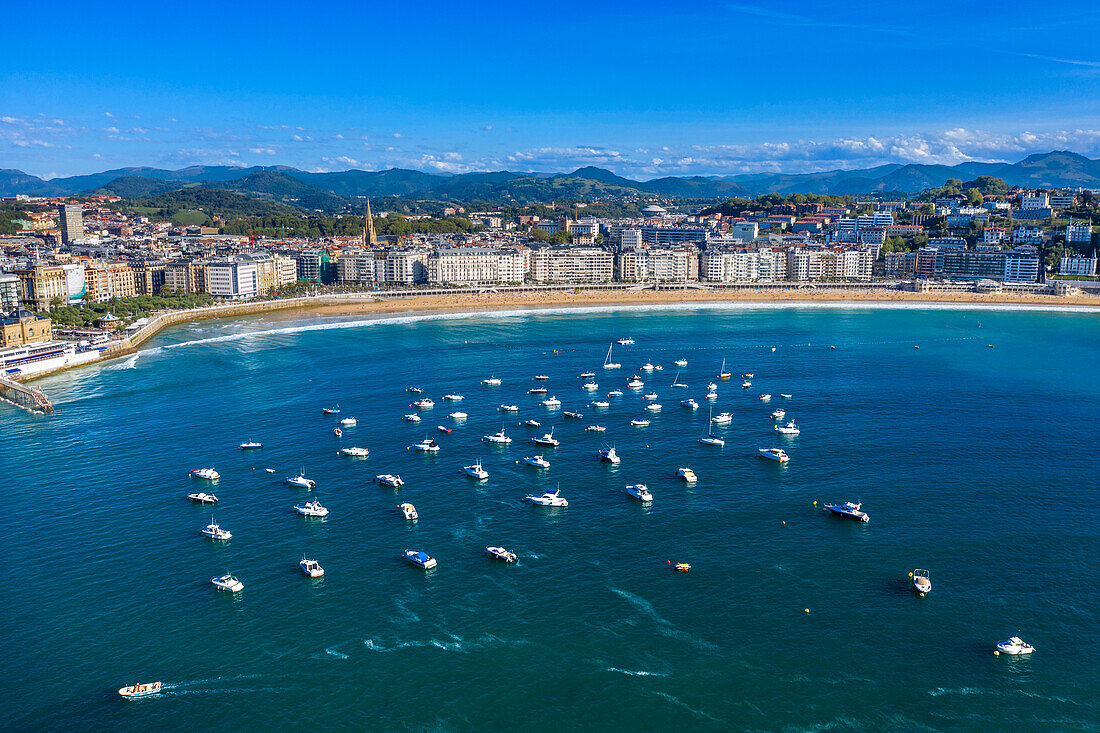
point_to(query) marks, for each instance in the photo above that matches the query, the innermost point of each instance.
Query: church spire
(369, 236)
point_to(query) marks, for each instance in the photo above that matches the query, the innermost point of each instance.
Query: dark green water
(979, 464)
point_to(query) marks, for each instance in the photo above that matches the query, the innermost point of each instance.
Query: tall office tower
(72, 222)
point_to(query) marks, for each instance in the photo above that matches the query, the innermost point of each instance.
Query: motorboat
(590, 386)
(457, 416)
(573, 415)
(388, 479)
(550, 498)
(778, 414)
(635, 383)
(312, 568)
(300, 481)
(849, 510)
(681, 362)
(551, 402)
(690, 403)
(722, 373)
(443, 429)
(476, 471)
(509, 408)
(491, 381)
(227, 582)
(408, 511)
(453, 397)
(639, 492)
(600, 404)
(615, 393)
(428, 445)
(537, 461)
(215, 532)
(334, 410)
(710, 439)
(746, 384)
(711, 396)
(338, 432)
(722, 418)
(206, 474)
(270, 470)
(412, 417)
(922, 582)
(142, 689)
(347, 422)
(250, 445)
(785, 396)
(607, 363)
(711, 386)
(608, 455)
(415, 390)
(587, 375)
(640, 423)
(649, 396)
(547, 439)
(789, 429)
(764, 397)
(540, 377)
(774, 454)
(749, 375)
(425, 404)
(537, 390)
(497, 437)
(687, 475)
(647, 367)
(311, 509)
(501, 554)
(532, 423)
(420, 559)
(1014, 645)
(653, 407)
(595, 429)
(681, 567)
(626, 341)
(355, 452)
(659, 368)
(203, 498)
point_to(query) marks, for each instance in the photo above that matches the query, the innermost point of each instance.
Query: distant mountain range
(332, 191)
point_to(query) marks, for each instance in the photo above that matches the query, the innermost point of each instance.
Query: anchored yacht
(312, 568)
(408, 511)
(635, 383)
(551, 402)
(250, 445)
(789, 429)
(428, 445)
(639, 492)
(347, 422)
(550, 498)
(203, 498)
(778, 414)
(626, 341)
(453, 397)
(849, 510)
(420, 559)
(601, 404)
(537, 461)
(300, 481)
(607, 363)
(537, 390)
(608, 455)
(1015, 645)
(640, 422)
(690, 403)
(491, 381)
(540, 377)
(476, 471)
(532, 423)
(355, 452)
(425, 404)
(311, 509)
(412, 417)
(687, 474)
(497, 437)
(595, 429)
(214, 532)
(681, 362)
(457, 416)
(722, 418)
(509, 408)
(590, 386)
(615, 393)
(547, 439)
(227, 582)
(388, 479)
(774, 454)
(501, 554)
(207, 474)
(647, 367)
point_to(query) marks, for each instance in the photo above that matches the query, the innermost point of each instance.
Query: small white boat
(572, 415)
(334, 410)
(615, 393)
(647, 367)
(412, 417)
(653, 407)
(270, 470)
(537, 461)
(420, 559)
(595, 429)
(428, 445)
(687, 474)
(540, 377)
(300, 481)
(547, 439)
(550, 498)
(711, 440)
(497, 437)
(774, 454)
(425, 404)
(250, 445)
(849, 510)
(227, 582)
(476, 471)
(711, 396)
(722, 418)
(457, 416)
(635, 383)
(551, 402)
(143, 689)
(532, 423)
(355, 452)
(206, 474)
(640, 423)
(388, 479)
(537, 390)
(607, 363)
(922, 582)
(626, 341)
(492, 381)
(639, 492)
(690, 403)
(312, 568)
(789, 429)
(311, 509)
(415, 390)
(408, 511)
(764, 397)
(590, 386)
(746, 384)
(1014, 645)
(215, 532)
(601, 404)
(608, 455)
(586, 375)
(453, 397)
(778, 414)
(649, 396)
(501, 554)
(338, 432)
(785, 396)
(443, 429)
(203, 498)
(712, 386)
(681, 362)
(748, 375)
(509, 408)
(347, 422)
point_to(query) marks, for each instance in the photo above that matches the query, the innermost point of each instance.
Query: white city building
(233, 279)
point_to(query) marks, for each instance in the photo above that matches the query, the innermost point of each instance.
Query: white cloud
(9, 120)
(108, 114)
(261, 151)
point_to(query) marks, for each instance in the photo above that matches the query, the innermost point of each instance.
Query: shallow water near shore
(978, 463)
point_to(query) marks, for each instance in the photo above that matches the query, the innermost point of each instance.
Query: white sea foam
(637, 672)
(334, 653)
(129, 363)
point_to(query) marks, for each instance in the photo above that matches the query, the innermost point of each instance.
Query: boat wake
(665, 627)
(636, 673)
(334, 653)
(680, 703)
(448, 643)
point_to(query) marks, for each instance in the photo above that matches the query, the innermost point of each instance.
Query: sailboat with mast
(677, 383)
(709, 438)
(607, 363)
(722, 373)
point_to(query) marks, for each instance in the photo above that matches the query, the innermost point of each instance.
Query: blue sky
(643, 88)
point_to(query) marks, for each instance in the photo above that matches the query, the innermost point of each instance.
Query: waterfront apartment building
(900, 264)
(662, 264)
(185, 276)
(106, 280)
(71, 221)
(477, 265)
(1078, 265)
(734, 265)
(148, 277)
(21, 327)
(41, 284)
(1021, 265)
(406, 266)
(356, 266)
(234, 279)
(981, 263)
(571, 264)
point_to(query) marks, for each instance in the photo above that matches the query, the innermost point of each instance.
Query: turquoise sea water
(977, 463)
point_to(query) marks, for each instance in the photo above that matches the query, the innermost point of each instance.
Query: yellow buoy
(910, 575)
(815, 502)
(784, 522)
(996, 654)
(806, 610)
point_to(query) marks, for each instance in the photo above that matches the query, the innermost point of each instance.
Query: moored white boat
(300, 481)
(537, 390)
(412, 417)
(453, 397)
(537, 461)
(476, 471)
(615, 393)
(227, 582)
(551, 402)
(746, 384)
(311, 509)
(640, 422)
(590, 386)
(338, 432)
(312, 568)
(595, 429)
(1014, 645)
(653, 407)
(687, 474)
(722, 418)
(608, 455)
(572, 415)
(547, 439)
(690, 403)
(425, 404)
(497, 437)
(509, 408)
(550, 498)
(388, 479)
(778, 414)
(607, 363)
(789, 429)
(635, 383)
(457, 416)
(540, 377)
(501, 554)
(334, 410)
(681, 362)
(922, 581)
(849, 510)
(420, 559)
(626, 341)
(206, 474)
(639, 492)
(250, 445)
(203, 498)
(215, 532)
(415, 390)
(785, 396)
(774, 454)
(764, 397)
(355, 452)
(647, 367)
(711, 396)
(428, 445)
(649, 396)
(709, 439)
(347, 422)
(532, 423)
(408, 511)
(491, 381)
(600, 404)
